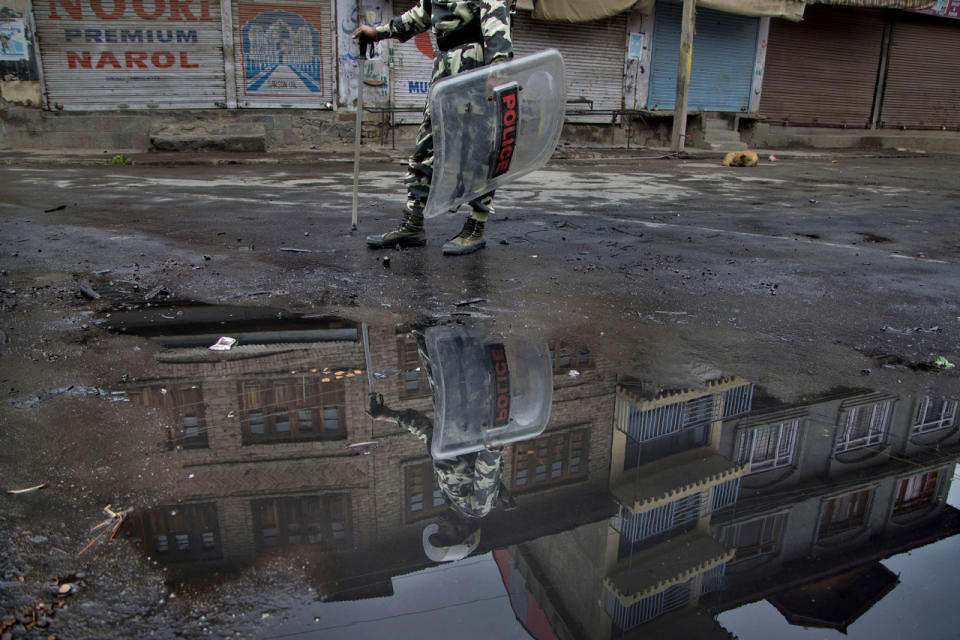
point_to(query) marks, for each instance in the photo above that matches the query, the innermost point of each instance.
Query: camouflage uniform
(485, 25)
(470, 482)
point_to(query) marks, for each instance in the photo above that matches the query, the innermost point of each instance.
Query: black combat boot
(410, 233)
(471, 238)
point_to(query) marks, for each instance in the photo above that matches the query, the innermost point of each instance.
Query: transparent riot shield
(489, 389)
(494, 125)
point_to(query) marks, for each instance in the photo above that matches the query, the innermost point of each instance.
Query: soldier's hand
(366, 32)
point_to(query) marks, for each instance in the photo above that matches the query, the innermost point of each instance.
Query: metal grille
(768, 447)
(864, 426)
(714, 580)
(650, 424)
(637, 527)
(934, 414)
(627, 618)
(737, 401)
(726, 494)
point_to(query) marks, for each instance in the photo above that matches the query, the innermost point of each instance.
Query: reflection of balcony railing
(645, 420)
(665, 578)
(660, 483)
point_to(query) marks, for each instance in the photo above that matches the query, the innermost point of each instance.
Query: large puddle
(266, 495)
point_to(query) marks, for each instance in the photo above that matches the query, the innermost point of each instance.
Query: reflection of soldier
(470, 34)
(470, 483)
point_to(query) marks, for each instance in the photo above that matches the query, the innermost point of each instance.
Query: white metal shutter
(131, 54)
(594, 55)
(283, 53)
(411, 70)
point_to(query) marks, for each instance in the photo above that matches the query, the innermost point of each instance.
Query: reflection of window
(916, 492)
(643, 530)
(643, 452)
(550, 459)
(757, 537)
(844, 513)
(934, 414)
(864, 426)
(302, 520)
(294, 409)
(565, 357)
(768, 447)
(186, 401)
(183, 532)
(422, 496)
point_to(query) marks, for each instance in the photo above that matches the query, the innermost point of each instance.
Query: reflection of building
(840, 485)
(260, 436)
(725, 499)
(639, 513)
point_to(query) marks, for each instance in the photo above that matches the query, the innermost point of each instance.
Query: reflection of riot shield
(494, 125)
(488, 389)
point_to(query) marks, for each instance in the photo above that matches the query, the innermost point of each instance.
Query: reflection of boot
(410, 233)
(470, 239)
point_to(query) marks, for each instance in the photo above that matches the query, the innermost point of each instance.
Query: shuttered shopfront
(411, 68)
(823, 71)
(922, 88)
(724, 55)
(283, 53)
(594, 54)
(131, 54)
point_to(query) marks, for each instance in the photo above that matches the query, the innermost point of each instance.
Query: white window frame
(877, 429)
(786, 445)
(924, 423)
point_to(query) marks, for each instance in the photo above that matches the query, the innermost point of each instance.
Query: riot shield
(489, 389)
(493, 125)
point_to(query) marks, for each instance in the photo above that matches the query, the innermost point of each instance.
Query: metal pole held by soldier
(363, 42)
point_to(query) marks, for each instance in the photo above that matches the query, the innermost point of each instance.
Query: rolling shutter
(922, 89)
(823, 71)
(594, 55)
(131, 54)
(283, 53)
(724, 53)
(411, 70)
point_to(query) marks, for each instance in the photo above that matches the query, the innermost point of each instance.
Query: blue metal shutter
(724, 54)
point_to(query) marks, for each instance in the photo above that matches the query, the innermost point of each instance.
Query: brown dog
(741, 159)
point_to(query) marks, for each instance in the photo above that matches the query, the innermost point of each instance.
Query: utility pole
(687, 29)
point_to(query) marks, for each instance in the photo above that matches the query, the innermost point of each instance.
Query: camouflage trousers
(420, 165)
(470, 482)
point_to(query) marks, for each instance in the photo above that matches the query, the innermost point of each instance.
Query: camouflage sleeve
(405, 26)
(495, 25)
(416, 423)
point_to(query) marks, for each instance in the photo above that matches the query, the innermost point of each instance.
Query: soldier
(470, 34)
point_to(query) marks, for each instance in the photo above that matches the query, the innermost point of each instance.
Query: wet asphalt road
(782, 259)
(802, 276)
